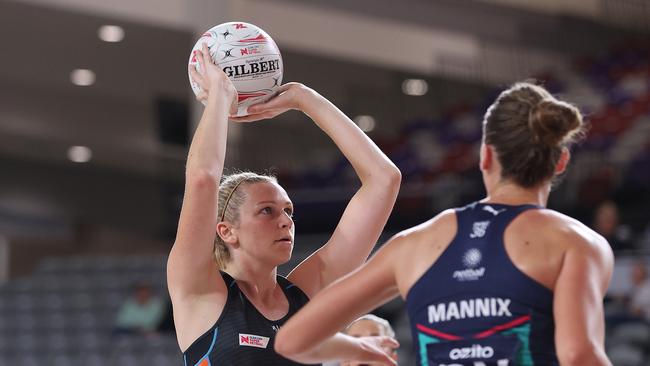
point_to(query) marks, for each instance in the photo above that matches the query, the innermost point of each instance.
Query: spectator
(606, 223)
(639, 304)
(141, 313)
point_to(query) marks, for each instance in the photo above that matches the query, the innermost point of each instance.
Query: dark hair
(231, 197)
(528, 128)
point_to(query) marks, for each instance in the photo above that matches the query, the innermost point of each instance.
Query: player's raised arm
(190, 267)
(367, 212)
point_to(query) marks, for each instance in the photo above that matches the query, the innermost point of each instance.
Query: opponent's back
(473, 306)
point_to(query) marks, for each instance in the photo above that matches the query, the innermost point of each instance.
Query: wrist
(358, 348)
(307, 98)
(227, 95)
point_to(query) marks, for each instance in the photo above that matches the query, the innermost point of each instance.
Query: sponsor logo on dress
(492, 210)
(475, 351)
(252, 340)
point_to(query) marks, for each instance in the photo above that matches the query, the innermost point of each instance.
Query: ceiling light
(366, 123)
(80, 154)
(111, 33)
(415, 87)
(82, 77)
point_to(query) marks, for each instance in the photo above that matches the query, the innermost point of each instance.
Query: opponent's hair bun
(553, 123)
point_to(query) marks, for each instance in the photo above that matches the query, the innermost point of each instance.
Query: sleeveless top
(242, 336)
(473, 306)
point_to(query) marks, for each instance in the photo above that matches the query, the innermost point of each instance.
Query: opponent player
(503, 281)
(228, 313)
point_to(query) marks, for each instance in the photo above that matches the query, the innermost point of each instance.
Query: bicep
(356, 234)
(578, 299)
(191, 266)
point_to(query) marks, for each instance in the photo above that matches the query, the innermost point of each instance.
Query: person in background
(607, 223)
(639, 301)
(141, 313)
(370, 325)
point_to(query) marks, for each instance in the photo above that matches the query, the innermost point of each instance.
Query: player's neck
(509, 193)
(255, 281)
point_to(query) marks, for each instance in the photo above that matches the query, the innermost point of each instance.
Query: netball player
(370, 325)
(227, 313)
(503, 281)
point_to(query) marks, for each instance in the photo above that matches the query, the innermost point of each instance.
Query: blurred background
(96, 115)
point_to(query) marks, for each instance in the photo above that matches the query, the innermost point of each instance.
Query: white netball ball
(250, 58)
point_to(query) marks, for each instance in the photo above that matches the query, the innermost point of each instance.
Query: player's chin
(284, 256)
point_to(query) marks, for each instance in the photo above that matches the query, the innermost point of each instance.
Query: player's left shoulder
(573, 234)
(583, 239)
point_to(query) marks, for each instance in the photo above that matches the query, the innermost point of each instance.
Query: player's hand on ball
(289, 96)
(212, 79)
(377, 351)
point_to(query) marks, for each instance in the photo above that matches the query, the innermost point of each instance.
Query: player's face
(265, 229)
(365, 328)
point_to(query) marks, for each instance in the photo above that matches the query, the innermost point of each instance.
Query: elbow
(394, 176)
(286, 346)
(201, 179)
(575, 359)
(389, 178)
(583, 355)
(394, 180)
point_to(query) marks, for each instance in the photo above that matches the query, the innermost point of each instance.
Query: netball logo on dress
(471, 259)
(478, 229)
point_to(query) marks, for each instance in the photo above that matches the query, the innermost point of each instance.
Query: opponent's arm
(341, 347)
(309, 331)
(578, 300)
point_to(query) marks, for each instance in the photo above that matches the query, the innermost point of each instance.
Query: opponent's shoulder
(561, 228)
(444, 221)
(440, 228)
(410, 252)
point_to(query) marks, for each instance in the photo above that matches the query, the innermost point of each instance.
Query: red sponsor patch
(252, 340)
